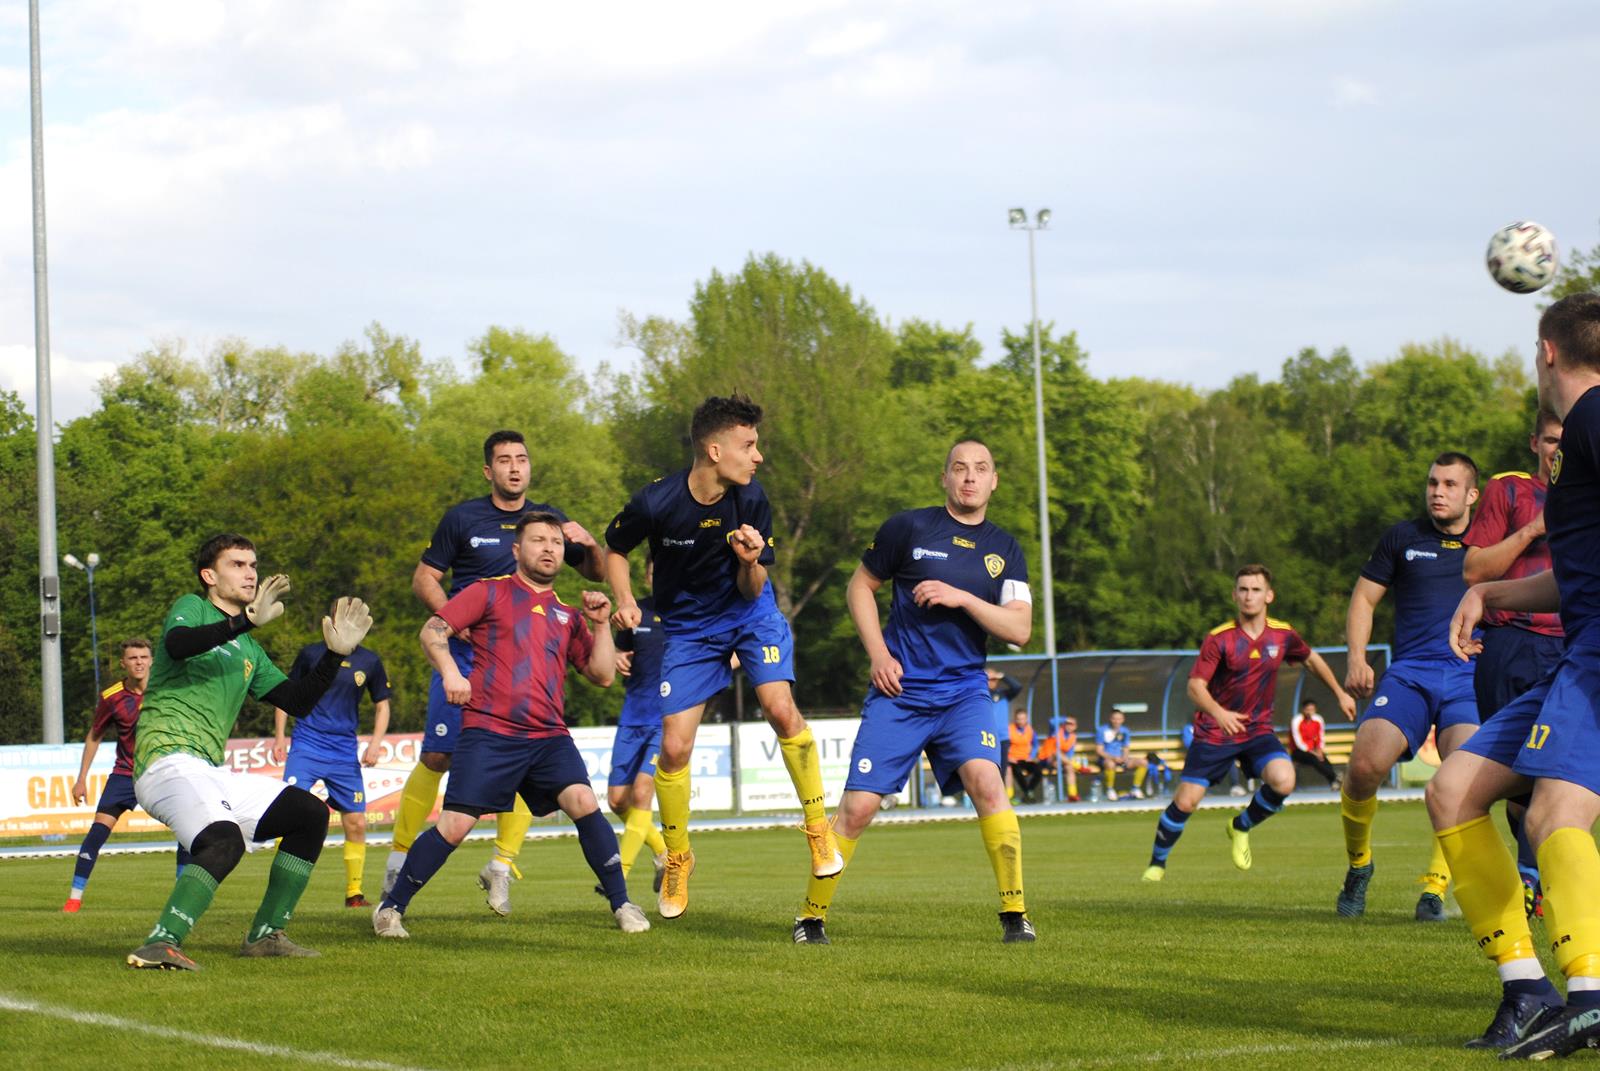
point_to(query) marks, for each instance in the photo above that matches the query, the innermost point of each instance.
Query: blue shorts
(117, 796)
(896, 731)
(1208, 764)
(490, 771)
(340, 773)
(1417, 696)
(444, 718)
(1512, 661)
(695, 668)
(1552, 730)
(634, 751)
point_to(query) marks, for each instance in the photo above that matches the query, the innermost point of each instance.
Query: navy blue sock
(88, 852)
(428, 853)
(183, 859)
(1583, 998)
(1168, 829)
(1530, 987)
(599, 843)
(1267, 802)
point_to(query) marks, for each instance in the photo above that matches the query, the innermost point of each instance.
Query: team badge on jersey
(994, 563)
(361, 678)
(1555, 468)
(249, 668)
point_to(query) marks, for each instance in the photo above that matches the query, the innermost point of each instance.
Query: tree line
(339, 465)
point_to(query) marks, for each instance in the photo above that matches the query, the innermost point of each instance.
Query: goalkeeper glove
(344, 630)
(266, 607)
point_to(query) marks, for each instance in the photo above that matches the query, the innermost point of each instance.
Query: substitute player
(958, 579)
(325, 747)
(1546, 740)
(471, 542)
(205, 665)
(514, 739)
(1519, 649)
(118, 708)
(710, 533)
(631, 788)
(1232, 685)
(1426, 687)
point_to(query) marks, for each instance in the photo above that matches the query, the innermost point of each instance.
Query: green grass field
(1212, 968)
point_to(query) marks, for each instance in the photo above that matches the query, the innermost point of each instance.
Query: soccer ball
(1522, 257)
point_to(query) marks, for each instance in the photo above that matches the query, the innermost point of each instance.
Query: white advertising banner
(764, 781)
(710, 770)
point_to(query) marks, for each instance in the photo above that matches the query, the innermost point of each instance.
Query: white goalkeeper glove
(266, 607)
(347, 626)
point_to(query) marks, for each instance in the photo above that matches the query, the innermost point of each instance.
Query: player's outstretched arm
(860, 596)
(627, 613)
(594, 555)
(1318, 665)
(1200, 695)
(601, 668)
(80, 787)
(427, 585)
(1531, 594)
(1490, 563)
(1008, 623)
(185, 641)
(1359, 678)
(435, 637)
(380, 728)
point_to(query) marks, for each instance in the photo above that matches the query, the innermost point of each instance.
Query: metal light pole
(88, 565)
(49, 579)
(1018, 219)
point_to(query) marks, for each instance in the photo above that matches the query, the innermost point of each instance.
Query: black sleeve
(1009, 687)
(297, 697)
(186, 642)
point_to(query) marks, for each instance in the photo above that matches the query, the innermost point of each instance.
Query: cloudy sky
(1231, 181)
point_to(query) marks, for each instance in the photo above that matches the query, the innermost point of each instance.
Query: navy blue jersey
(646, 640)
(1422, 566)
(1572, 520)
(939, 648)
(696, 572)
(337, 714)
(473, 541)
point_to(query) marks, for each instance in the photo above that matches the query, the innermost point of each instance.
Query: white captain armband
(1015, 591)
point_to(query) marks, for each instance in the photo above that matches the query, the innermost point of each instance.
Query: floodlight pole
(44, 422)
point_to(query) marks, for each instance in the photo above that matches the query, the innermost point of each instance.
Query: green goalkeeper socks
(189, 900)
(287, 880)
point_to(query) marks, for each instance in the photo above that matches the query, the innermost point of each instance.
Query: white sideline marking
(1275, 1049)
(215, 1041)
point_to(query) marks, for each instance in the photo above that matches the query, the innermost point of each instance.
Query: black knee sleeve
(300, 819)
(217, 849)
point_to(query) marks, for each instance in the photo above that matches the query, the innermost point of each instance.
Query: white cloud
(1354, 91)
(72, 381)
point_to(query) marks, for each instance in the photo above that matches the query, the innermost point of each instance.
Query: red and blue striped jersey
(119, 706)
(1510, 501)
(1241, 674)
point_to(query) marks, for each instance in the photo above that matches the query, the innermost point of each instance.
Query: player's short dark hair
(716, 415)
(206, 557)
(1254, 569)
(1572, 325)
(1456, 457)
(1307, 703)
(535, 516)
(948, 454)
(133, 641)
(1544, 418)
(498, 437)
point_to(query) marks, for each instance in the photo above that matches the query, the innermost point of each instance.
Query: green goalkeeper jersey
(190, 704)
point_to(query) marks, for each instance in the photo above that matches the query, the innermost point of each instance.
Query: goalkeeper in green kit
(206, 662)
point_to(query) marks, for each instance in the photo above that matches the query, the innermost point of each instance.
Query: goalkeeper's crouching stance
(206, 662)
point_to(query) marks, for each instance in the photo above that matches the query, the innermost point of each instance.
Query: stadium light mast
(89, 565)
(1018, 218)
(49, 578)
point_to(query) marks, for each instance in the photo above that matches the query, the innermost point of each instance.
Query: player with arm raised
(710, 533)
(1426, 687)
(206, 663)
(958, 579)
(1232, 685)
(514, 739)
(472, 542)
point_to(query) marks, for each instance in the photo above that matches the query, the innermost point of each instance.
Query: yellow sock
(805, 770)
(416, 803)
(819, 891)
(653, 839)
(672, 796)
(1357, 816)
(1002, 839)
(1437, 878)
(1139, 773)
(1488, 889)
(1569, 868)
(633, 836)
(355, 858)
(511, 830)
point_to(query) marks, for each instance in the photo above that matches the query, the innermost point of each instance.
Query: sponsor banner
(764, 780)
(710, 769)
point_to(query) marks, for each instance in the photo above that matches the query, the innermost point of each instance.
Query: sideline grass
(1212, 967)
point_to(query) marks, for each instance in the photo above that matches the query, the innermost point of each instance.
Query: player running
(206, 663)
(631, 788)
(514, 739)
(1546, 740)
(119, 708)
(1426, 687)
(471, 542)
(1232, 685)
(325, 747)
(958, 579)
(709, 528)
(1519, 649)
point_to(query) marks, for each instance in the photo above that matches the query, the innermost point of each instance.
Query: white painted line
(213, 1041)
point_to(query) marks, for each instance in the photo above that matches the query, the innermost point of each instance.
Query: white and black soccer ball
(1522, 257)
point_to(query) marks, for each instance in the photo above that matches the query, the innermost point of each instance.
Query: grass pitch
(1211, 968)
